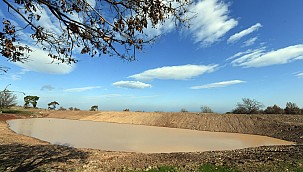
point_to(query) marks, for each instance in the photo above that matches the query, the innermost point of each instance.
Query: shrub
(292, 108)
(183, 110)
(275, 109)
(206, 109)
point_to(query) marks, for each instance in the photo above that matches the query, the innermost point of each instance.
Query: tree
(113, 27)
(30, 100)
(94, 108)
(7, 99)
(292, 108)
(71, 108)
(248, 106)
(275, 109)
(183, 110)
(206, 109)
(52, 105)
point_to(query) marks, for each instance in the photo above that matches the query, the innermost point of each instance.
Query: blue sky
(233, 50)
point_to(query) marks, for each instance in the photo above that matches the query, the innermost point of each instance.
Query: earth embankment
(286, 127)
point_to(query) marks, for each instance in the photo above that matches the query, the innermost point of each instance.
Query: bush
(292, 108)
(62, 108)
(206, 109)
(126, 110)
(275, 109)
(183, 110)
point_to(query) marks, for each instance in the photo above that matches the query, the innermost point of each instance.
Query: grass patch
(17, 112)
(213, 168)
(164, 169)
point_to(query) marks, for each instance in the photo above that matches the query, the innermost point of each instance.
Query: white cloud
(300, 75)
(218, 84)
(243, 33)
(81, 89)
(249, 51)
(39, 61)
(175, 72)
(250, 42)
(131, 84)
(211, 22)
(261, 58)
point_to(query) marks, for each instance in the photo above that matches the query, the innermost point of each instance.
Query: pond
(134, 138)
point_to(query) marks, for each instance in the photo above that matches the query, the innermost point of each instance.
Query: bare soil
(22, 153)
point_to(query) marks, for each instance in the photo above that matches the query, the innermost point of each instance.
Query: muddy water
(134, 138)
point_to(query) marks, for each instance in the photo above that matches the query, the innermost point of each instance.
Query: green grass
(213, 168)
(164, 169)
(17, 112)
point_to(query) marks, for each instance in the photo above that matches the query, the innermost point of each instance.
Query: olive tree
(113, 27)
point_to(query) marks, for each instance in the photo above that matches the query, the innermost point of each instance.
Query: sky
(234, 49)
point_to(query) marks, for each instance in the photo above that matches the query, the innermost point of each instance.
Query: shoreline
(23, 152)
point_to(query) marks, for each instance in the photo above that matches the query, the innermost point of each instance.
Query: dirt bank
(286, 127)
(21, 153)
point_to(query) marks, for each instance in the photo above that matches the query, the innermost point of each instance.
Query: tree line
(9, 99)
(251, 106)
(247, 106)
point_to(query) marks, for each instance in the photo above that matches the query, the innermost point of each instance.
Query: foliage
(94, 108)
(275, 109)
(248, 106)
(183, 110)
(30, 100)
(163, 169)
(71, 108)
(62, 108)
(213, 168)
(76, 109)
(19, 112)
(292, 108)
(7, 99)
(52, 105)
(126, 110)
(206, 109)
(114, 27)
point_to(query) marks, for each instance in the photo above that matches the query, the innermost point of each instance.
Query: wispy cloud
(260, 58)
(39, 61)
(249, 51)
(175, 72)
(47, 87)
(131, 84)
(243, 33)
(211, 22)
(218, 84)
(299, 75)
(18, 75)
(81, 89)
(250, 42)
